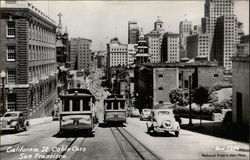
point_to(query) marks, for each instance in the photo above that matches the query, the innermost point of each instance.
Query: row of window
(38, 71)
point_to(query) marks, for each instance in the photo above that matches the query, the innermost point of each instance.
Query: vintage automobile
(163, 120)
(145, 114)
(14, 120)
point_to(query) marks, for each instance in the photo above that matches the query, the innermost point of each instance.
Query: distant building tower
(142, 55)
(80, 53)
(225, 38)
(133, 32)
(154, 39)
(170, 49)
(116, 53)
(158, 25)
(185, 29)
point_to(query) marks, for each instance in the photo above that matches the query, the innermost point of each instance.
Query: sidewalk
(217, 129)
(37, 121)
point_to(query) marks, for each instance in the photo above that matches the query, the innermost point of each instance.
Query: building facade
(28, 57)
(153, 83)
(133, 32)
(170, 49)
(197, 29)
(80, 53)
(198, 45)
(225, 37)
(185, 29)
(116, 53)
(240, 98)
(132, 49)
(154, 40)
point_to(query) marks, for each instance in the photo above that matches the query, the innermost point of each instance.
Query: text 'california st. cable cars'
(78, 111)
(115, 109)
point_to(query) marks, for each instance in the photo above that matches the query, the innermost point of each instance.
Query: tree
(200, 96)
(176, 96)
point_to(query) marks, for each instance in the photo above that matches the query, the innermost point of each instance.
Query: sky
(102, 20)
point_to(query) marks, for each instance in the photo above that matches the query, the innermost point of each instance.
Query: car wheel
(17, 127)
(176, 133)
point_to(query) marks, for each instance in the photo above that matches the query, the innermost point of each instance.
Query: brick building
(28, 56)
(153, 82)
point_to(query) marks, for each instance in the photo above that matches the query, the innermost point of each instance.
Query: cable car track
(130, 146)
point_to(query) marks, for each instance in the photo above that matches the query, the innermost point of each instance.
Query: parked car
(14, 120)
(135, 112)
(145, 114)
(163, 120)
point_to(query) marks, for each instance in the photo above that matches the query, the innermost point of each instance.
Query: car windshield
(11, 115)
(146, 111)
(163, 113)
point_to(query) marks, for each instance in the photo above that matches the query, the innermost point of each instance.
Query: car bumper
(7, 129)
(160, 129)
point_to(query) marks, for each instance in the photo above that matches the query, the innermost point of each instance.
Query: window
(186, 84)
(11, 78)
(160, 75)
(10, 29)
(11, 53)
(160, 88)
(10, 1)
(11, 102)
(216, 75)
(160, 102)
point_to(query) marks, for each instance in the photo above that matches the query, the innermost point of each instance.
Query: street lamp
(190, 99)
(3, 75)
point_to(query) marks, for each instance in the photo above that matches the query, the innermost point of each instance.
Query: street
(131, 141)
(104, 144)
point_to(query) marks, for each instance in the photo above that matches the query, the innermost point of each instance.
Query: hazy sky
(103, 20)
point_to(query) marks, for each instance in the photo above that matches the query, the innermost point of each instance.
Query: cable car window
(115, 105)
(109, 107)
(76, 105)
(86, 105)
(122, 105)
(66, 105)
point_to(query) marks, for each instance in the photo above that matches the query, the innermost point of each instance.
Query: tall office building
(28, 57)
(221, 13)
(80, 53)
(170, 49)
(131, 49)
(116, 53)
(225, 36)
(185, 29)
(198, 45)
(154, 39)
(213, 10)
(133, 32)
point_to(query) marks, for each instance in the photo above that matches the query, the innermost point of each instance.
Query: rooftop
(25, 4)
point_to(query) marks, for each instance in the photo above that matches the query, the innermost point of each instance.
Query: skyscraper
(185, 29)
(213, 10)
(133, 32)
(170, 49)
(154, 39)
(221, 24)
(80, 53)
